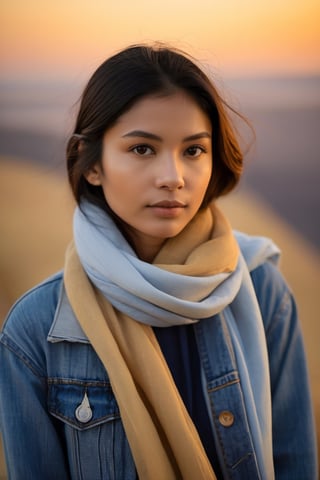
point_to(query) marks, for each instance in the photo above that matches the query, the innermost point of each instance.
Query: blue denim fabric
(42, 384)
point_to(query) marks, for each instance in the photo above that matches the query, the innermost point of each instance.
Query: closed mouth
(168, 204)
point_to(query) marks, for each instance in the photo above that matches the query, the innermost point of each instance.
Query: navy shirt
(178, 345)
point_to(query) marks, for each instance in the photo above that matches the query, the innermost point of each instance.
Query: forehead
(177, 111)
(176, 114)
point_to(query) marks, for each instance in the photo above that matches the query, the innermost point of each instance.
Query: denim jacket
(48, 369)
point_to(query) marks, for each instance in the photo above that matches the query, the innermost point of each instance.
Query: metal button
(83, 412)
(226, 418)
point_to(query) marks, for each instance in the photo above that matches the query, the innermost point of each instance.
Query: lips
(168, 204)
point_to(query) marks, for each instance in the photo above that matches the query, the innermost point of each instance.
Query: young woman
(169, 348)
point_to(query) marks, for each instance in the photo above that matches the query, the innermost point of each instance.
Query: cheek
(119, 189)
(115, 175)
(201, 184)
(204, 176)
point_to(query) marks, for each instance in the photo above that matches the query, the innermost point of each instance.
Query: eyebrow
(152, 136)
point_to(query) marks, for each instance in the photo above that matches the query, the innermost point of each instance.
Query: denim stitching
(220, 387)
(80, 383)
(13, 347)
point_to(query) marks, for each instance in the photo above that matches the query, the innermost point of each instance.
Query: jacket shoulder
(32, 314)
(272, 291)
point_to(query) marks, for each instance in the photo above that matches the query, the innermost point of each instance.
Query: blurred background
(264, 57)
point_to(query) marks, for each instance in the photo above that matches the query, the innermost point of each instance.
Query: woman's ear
(93, 176)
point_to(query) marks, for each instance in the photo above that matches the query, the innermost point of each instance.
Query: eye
(142, 150)
(195, 151)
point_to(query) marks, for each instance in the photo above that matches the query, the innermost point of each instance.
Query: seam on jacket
(8, 343)
(77, 382)
(280, 312)
(227, 384)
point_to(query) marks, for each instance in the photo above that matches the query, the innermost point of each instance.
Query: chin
(170, 232)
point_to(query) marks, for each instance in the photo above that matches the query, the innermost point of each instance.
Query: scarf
(195, 275)
(185, 283)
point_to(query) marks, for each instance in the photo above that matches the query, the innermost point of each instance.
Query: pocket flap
(82, 404)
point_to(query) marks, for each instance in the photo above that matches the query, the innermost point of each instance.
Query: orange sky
(239, 37)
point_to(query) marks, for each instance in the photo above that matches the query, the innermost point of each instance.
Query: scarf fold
(161, 435)
(194, 276)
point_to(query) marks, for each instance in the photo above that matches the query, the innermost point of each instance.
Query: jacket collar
(65, 326)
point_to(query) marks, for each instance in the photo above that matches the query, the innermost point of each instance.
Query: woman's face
(155, 169)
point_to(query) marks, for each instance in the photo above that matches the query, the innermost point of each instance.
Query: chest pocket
(88, 419)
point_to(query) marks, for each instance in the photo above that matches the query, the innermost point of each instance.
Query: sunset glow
(238, 37)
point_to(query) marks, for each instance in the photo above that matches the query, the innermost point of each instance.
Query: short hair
(125, 78)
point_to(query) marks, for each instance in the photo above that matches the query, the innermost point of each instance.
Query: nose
(170, 173)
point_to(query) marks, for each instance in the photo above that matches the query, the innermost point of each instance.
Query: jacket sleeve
(31, 444)
(293, 426)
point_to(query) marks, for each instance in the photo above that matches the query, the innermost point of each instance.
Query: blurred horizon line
(66, 79)
(268, 91)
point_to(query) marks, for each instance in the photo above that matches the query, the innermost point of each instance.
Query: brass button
(226, 418)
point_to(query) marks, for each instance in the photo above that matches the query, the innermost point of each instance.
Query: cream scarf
(162, 437)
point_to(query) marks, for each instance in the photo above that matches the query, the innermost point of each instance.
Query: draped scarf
(117, 298)
(194, 275)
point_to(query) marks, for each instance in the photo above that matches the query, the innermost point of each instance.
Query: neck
(145, 247)
(146, 250)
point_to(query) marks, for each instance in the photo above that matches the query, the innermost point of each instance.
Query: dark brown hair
(121, 81)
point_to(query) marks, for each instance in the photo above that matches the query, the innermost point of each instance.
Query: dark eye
(142, 150)
(195, 151)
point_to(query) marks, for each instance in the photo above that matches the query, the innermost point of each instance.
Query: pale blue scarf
(144, 291)
(158, 297)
